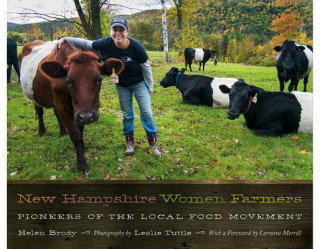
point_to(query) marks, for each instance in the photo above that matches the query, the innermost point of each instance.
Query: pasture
(198, 142)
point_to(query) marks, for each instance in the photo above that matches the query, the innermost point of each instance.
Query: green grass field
(199, 143)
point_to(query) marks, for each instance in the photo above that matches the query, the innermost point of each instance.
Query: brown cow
(68, 81)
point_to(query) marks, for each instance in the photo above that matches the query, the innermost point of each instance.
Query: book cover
(236, 164)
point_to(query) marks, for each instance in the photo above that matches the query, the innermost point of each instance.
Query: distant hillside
(47, 28)
(242, 31)
(153, 16)
(144, 16)
(150, 16)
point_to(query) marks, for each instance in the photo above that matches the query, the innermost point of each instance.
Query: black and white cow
(12, 59)
(198, 89)
(200, 55)
(270, 113)
(295, 61)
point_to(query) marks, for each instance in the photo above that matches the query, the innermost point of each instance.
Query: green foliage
(232, 50)
(198, 142)
(61, 33)
(236, 28)
(143, 32)
(78, 31)
(242, 31)
(105, 23)
(146, 27)
(246, 50)
(48, 29)
(189, 38)
(19, 38)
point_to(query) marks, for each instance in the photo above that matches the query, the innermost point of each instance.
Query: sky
(65, 6)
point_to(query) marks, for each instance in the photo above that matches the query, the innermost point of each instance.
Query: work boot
(153, 147)
(130, 145)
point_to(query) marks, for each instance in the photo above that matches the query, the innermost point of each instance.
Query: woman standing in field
(136, 79)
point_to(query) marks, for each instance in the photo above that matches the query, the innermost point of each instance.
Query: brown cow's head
(83, 77)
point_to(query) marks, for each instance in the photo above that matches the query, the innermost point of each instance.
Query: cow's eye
(69, 83)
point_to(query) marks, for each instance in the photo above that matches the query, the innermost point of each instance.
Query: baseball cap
(119, 21)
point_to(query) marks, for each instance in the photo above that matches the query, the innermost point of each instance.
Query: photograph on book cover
(67, 121)
(160, 124)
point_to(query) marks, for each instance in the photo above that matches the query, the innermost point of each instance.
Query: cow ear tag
(255, 98)
(114, 79)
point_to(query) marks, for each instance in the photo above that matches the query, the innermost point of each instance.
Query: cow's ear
(182, 70)
(278, 48)
(53, 69)
(106, 67)
(253, 91)
(300, 48)
(224, 89)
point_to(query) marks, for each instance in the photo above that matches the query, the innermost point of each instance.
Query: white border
(316, 121)
(3, 129)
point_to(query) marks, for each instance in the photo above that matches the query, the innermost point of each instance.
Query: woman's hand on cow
(58, 45)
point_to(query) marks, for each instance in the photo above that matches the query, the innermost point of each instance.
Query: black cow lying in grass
(270, 113)
(198, 89)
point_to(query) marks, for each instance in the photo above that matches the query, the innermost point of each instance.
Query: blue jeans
(141, 93)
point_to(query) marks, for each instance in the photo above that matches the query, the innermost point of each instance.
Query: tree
(156, 37)
(20, 38)
(188, 38)
(178, 4)
(165, 32)
(88, 23)
(246, 49)
(232, 50)
(91, 22)
(290, 23)
(105, 19)
(60, 33)
(36, 31)
(288, 26)
(142, 31)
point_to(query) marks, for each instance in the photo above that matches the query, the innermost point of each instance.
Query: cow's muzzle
(233, 115)
(163, 83)
(87, 117)
(288, 68)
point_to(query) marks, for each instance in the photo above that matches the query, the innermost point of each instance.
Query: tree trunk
(95, 15)
(165, 32)
(178, 4)
(93, 31)
(179, 16)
